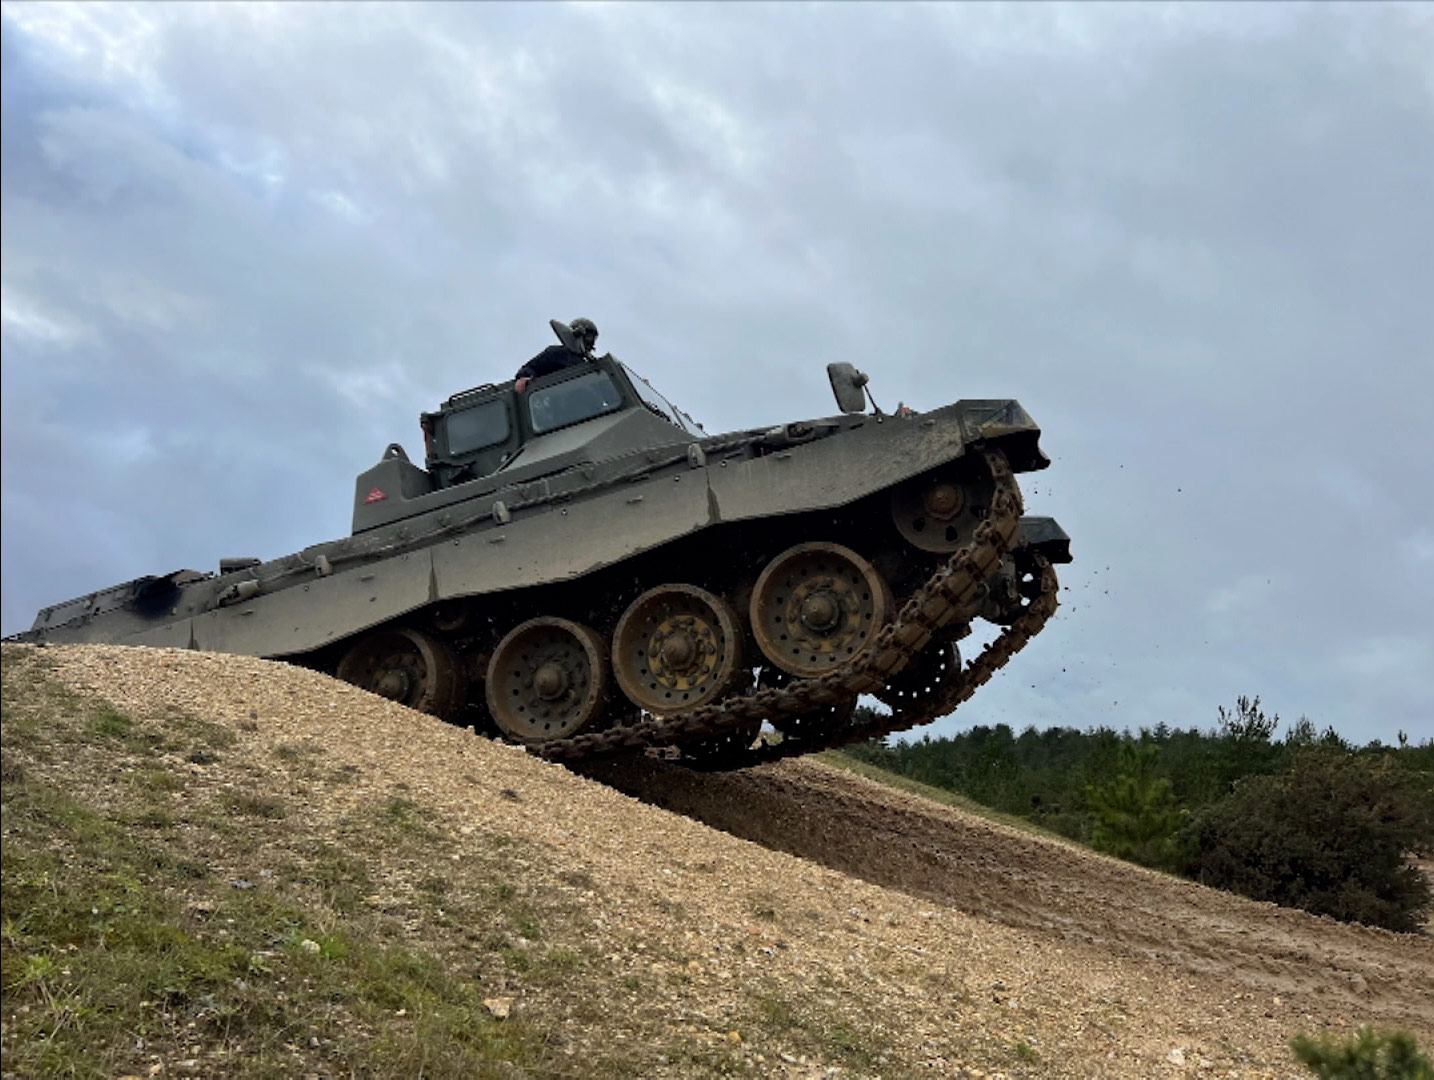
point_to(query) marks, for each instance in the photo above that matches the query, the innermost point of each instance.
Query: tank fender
(148, 598)
(862, 456)
(1003, 423)
(1046, 537)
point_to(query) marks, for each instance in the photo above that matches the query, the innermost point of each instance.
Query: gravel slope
(973, 948)
(1062, 891)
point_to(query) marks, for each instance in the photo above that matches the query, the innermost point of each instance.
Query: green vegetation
(1026, 1053)
(1330, 834)
(808, 1028)
(1370, 1055)
(1305, 821)
(1135, 812)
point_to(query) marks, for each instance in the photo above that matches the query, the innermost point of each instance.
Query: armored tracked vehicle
(579, 567)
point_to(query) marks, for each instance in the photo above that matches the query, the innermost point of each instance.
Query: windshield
(472, 429)
(660, 405)
(573, 400)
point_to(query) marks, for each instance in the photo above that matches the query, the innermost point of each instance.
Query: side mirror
(848, 385)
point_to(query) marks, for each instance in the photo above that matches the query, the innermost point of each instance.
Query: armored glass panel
(660, 405)
(573, 400)
(691, 426)
(472, 429)
(650, 397)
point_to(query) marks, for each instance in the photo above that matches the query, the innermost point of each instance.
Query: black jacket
(553, 358)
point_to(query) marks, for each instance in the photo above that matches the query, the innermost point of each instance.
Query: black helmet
(586, 331)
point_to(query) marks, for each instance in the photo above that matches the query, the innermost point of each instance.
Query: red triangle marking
(375, 495)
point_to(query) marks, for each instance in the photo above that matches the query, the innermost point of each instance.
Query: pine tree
(1137, 814)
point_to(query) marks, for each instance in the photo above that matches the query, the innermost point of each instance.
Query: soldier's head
(585, 331)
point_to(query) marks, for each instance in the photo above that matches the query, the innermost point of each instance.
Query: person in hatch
(576, 338)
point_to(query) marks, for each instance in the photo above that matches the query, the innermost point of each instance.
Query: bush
(1331, 835)
(1370, 1055)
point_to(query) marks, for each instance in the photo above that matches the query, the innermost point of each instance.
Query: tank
(579, 567)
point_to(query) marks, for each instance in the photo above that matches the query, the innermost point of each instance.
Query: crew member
(576, 346)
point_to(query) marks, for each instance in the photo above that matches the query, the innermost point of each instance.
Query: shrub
(1370, 1055)
(1331, 835)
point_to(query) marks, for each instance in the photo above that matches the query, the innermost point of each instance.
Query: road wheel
(816, 606)
(409, 667)
(676, 647)
(547, 680)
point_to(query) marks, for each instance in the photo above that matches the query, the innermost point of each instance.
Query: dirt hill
(364, 890)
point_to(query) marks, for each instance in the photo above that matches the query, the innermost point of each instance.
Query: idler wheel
(547, 680)
(940, 510)
(409, 667)
(676, 647)
(817, 606)
(925, 677)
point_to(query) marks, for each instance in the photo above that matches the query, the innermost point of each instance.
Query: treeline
(1303, 818)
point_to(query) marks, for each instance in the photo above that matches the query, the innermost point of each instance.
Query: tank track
(723, 735)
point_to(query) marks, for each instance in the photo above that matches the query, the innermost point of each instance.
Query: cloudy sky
(244, 246)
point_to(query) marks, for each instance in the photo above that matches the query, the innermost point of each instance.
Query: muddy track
(1045, 885)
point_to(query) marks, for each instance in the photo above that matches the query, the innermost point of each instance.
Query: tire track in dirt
(956, 859)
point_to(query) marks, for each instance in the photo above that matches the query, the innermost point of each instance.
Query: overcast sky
(244, 247)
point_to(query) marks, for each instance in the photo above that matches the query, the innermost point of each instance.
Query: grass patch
(808, 1028)
(577, 879)
(296, 752)
(342, 880)
(303, 758)
(158, 781)
(113, 967)
(30, 725)
(107, 722)
(195, 733)
(407, 819)
(251, 804)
